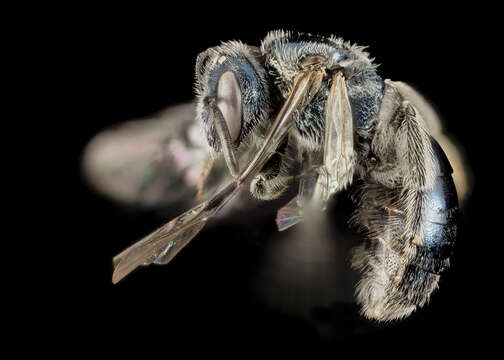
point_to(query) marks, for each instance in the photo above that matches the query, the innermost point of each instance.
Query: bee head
(232, 75)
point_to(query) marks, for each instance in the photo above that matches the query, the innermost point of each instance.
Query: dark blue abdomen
(440, 217)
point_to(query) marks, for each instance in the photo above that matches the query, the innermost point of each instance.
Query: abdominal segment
(400, 273)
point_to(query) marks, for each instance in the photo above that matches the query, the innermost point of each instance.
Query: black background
(122, 64)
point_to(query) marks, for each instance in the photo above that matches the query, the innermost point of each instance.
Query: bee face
(233, 75)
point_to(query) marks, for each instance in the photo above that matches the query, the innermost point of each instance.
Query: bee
(309, 114)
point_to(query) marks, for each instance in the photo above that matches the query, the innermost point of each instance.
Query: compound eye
(232, 76)
(229, 103)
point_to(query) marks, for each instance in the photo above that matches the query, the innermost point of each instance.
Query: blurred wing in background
(153, 162)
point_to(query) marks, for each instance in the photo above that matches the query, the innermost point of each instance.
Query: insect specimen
(309, 112)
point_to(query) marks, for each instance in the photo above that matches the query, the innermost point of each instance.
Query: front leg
(277, 174)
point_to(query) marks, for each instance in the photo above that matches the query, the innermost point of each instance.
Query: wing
(338, 159)
(152, 162)
(455, 153)
(331, 172)
(163, 244)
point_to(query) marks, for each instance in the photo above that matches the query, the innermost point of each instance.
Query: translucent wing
(164, 243)
(152, 162)
(334, 170)
(455, 153)
(338, 159)
(289, 215)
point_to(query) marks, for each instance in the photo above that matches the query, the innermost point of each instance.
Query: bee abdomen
(399, 274)
(439, 231)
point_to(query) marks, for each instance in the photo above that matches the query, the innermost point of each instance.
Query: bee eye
(233, 75)
(229, 103)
